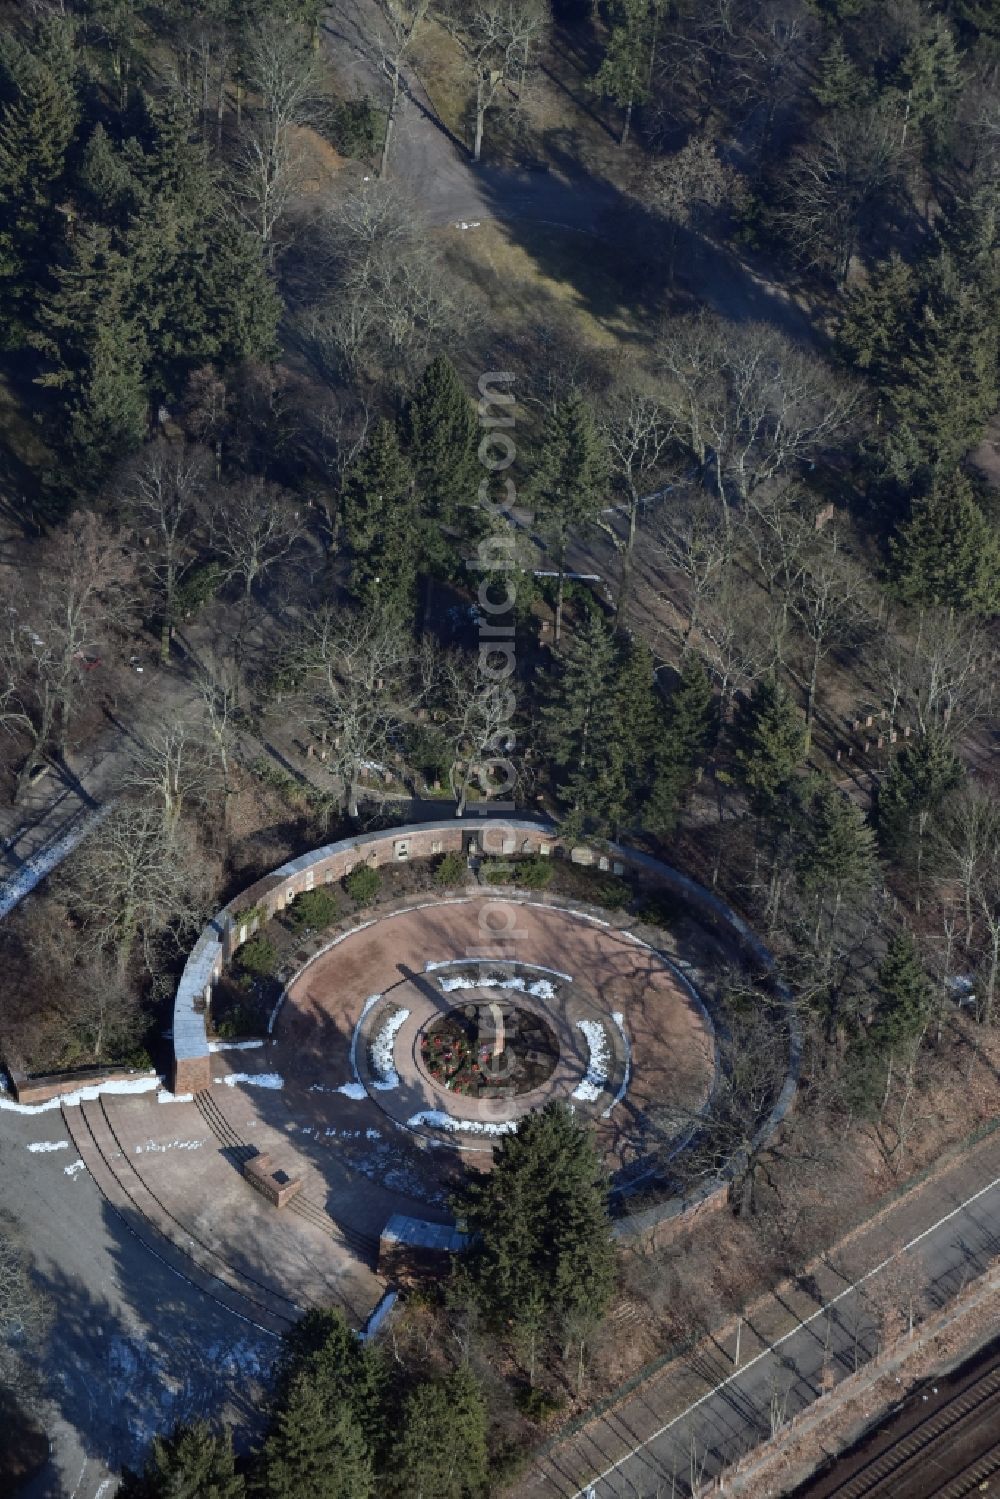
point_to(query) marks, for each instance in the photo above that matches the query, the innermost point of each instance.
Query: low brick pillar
(276, 1186)
(191, 1074)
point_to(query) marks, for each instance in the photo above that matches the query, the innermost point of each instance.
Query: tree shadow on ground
(119, 1372)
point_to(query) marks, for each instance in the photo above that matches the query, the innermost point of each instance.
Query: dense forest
(749, 539)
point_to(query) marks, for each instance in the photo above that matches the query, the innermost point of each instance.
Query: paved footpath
(701, 1413)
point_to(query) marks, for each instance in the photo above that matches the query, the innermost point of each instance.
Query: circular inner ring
(488, 1047)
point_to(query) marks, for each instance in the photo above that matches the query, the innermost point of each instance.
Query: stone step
(110, 1170)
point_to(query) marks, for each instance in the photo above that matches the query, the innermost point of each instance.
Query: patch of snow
(156, 1147)
(373, 1134)
(253, 1079)
(352, 1090)
(167, 1097)
(596, 1077)
(368, 1006)
(41, 1145)
(378, 1316)
(436, 1119)
(234, 1045)
(435, 965)
(85, 1095)
(619, 1020)
(381, 1052)
(76, 1167)
(32, 873)
(540, 988)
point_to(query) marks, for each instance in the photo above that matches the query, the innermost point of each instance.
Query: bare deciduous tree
(253, 527)
(691, 541)
(392, 299)
(353, 675)
(830, 602)
(391, 42)
(746, 402)
(477, 722)
(132, 882)
(80, 597)
(834, 182)
(636, 435)
(172, 765)
(500, 38)
(165, 493)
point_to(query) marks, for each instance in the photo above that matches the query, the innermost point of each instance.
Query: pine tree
(931, 84)
(917, 783)
(96, 356)
(192, 1463)
(904, 997)
(441, 438)
(771, 745)
(106, 178)
(597, 723)
(875, 321)
(624, 74)
(38, 117)
(543, 1235)
(568, 483)
(323, 1349)
(837, 862)
(201, 292)
(681, 744)
(316, 1450)
(948, 554)
(840, 84)
(380, 520)
(441, 1449)
(945, 387)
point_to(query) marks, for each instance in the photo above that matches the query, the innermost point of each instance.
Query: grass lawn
(551, 281)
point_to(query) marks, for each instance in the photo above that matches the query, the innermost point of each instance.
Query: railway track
(908, 1466)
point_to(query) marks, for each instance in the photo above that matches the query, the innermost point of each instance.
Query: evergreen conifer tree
(192, 1463)
(441, 439)
(624, 74)
(441, 1449)
(945, 385)
(543, 1235)
(904, 996)
(680, 745)
(840, 85)
(568, 482)
(38, 117)
(601, 720)
(315, 1450)
(771, 745)
(913, 791)
(948, 554)
(322, 1348)
(380, 521)
(837, 862)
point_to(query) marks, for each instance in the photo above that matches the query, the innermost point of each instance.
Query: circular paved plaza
(425, 1027)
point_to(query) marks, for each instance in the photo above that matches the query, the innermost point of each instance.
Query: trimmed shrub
(362, 884)
(240, 1020)
(313, 908)
(538, 1405)
(659, 910)
(612, 893)
(257, 955)
(451, 869)
(535, 872)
